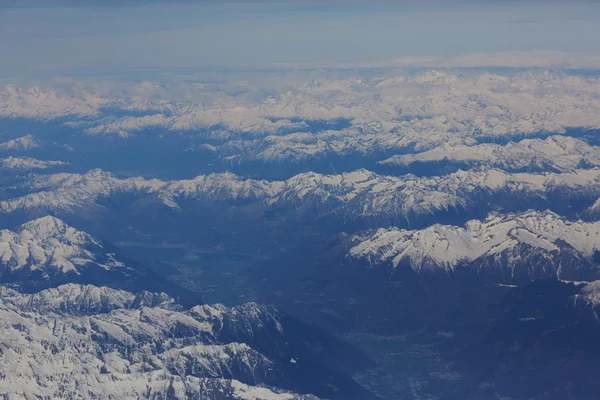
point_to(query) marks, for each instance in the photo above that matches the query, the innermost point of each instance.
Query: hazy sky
(112, 36)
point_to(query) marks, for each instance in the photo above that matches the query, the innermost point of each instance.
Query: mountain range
(66, 335)
(85, 342)
(373, 199)
(418, 234)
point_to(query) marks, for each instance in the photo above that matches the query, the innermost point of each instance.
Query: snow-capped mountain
(125, 345)
(24, 143)
(528, 246)
(556, 153)
(46, 252)
(29, 143)
(47, 244)
(88, 342)
(393, 280)
(407, 200)
(590, 293)
(28, 163)
(384, 114)
(418, 203)
(45, 103)
(69, 192)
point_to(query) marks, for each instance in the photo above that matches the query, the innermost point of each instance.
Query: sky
(49, 36)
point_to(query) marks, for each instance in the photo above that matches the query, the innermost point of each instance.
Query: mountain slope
(537, 342)
(379, 200)
(88, 342)
(30, 143)
(27, 163)
(533, 241)
(271, 121)
(47, 252)
(392, 280)
(556, 153)
(24, 143)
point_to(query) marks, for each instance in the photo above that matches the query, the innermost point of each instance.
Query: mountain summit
(47, 252)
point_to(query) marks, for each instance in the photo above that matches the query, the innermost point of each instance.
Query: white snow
(590, 293)
(392, 111)
(60, 343)
(354, 194)
(557, 153)
(447, 246)
(27, 163)
(49, 244)
(24, 143)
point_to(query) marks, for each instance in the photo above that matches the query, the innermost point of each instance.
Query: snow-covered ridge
(24, 143)
(74, 299)
(355, 194)
(125, 351)
(556, 153)
(446, 247)
(363, 193)
(29, 143)
(386, 112)
(69, 192)
(46, 252)
(46, 103)
(50, 246)
(27, 163)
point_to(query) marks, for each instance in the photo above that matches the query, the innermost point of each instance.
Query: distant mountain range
(361, 197)
(30, 143)
(555, 153)
(325, 117)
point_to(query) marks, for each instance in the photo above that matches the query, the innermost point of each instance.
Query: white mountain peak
(27, 163)
(53, 227)
(447, 246)
(558, 153)
(361, 193)
(49, 245)
(87, 342)
(24, 143)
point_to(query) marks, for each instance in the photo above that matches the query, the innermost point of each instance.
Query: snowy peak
(51, 227)
(75, 299)
(590, 293)
(70, 192)
(45, 103)
(72, 299)
(47, 252)
(434, 77)
(222, 187)
(556, 153)
(352, 195)
(108, 346)
(24, 143)
(447, 247)
(119, 351)
(49, 246)
(28, 163)
(385, 113)
(30, 143)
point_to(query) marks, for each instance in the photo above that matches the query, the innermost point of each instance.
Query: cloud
(523, 21)
(120, 36)
(514, 59)
(94, 3)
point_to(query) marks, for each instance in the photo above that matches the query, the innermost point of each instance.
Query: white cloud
(509, 59)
